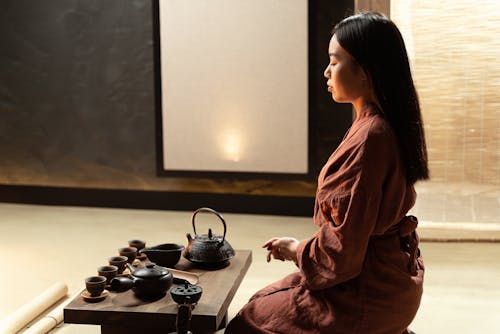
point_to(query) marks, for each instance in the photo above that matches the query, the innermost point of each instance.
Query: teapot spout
(121, 284)
(189, 237)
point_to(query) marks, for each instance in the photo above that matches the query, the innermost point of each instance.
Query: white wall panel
(234, 85)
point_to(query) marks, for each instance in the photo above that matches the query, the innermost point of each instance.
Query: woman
(361, 272)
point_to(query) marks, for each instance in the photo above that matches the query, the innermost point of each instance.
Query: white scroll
(32, 309)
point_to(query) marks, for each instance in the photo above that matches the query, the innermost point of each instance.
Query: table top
(125, 309)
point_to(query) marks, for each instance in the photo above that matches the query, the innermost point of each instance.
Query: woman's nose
(326, 73)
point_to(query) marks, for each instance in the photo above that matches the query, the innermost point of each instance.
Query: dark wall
(77, 100)
(77, 93)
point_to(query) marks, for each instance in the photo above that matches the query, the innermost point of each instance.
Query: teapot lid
(210, 237)
(151, 270)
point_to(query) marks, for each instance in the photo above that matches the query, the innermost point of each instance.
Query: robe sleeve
(336, 252)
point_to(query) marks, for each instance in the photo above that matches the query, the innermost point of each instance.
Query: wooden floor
(46, 244)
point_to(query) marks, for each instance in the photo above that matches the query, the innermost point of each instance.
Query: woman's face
(347, 82)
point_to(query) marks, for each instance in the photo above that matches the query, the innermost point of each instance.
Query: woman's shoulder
(376, 138)
(369, 133)
(377, 128)
(377, 124)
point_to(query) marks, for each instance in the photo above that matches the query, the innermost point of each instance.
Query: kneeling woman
(361, 272)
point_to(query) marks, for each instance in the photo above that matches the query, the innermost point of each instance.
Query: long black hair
(376, 44)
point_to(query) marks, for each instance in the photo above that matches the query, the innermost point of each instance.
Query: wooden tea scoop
(192, 278)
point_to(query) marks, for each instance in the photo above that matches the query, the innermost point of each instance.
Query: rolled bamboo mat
(29, 311)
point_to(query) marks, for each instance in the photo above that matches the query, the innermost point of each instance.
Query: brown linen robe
(361, 272)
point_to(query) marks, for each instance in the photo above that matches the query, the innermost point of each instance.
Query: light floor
(46, 244)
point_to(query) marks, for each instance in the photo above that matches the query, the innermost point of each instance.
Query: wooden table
(124, 313)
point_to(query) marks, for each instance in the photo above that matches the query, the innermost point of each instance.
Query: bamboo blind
(454, 47)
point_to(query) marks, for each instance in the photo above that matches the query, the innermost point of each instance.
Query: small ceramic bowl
(95, 285)
(165, 255)
(137, 243)
(129, 252)
(109, 272)
(119, 261)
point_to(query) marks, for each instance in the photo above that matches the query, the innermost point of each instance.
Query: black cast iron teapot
(208, 249)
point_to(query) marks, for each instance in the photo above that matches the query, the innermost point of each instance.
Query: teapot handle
(215, 213)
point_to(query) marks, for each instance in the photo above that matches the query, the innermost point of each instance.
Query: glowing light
(231, 146)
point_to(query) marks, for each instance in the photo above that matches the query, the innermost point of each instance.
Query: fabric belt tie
(408, 238)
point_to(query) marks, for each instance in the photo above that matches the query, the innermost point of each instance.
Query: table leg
(223, 323)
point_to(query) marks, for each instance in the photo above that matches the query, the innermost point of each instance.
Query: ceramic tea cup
(129, 252)
(109, 272)
(119, 261)
(137, 243)
(95, 285)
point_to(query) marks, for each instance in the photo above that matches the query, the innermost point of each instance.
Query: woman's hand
(284, 248)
